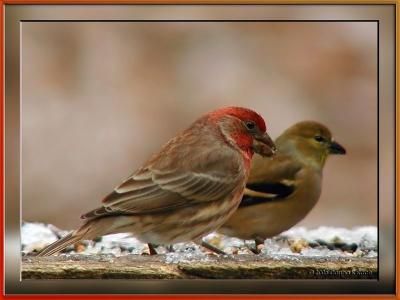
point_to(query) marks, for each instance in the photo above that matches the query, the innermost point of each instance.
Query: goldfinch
(281, 191)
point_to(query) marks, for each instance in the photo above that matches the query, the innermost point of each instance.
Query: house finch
(188, 189)
(281, 191)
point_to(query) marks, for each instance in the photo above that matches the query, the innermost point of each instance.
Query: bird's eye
(250, 125)
(319, 139)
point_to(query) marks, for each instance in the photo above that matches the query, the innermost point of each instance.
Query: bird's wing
(159, 187)
(271, 180)
(279, 168)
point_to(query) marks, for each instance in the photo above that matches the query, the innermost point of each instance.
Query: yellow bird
(281, 191)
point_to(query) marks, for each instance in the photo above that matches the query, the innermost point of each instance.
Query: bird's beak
(263, 145)
(336, 148)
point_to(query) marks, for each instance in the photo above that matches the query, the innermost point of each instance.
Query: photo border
(5, 3)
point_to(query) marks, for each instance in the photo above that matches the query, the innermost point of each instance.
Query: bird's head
(311, 141)
(245, 129)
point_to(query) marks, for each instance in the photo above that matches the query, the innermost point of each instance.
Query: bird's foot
(259, 244)
(255, 250)
(152, 249)
(170, 248)
(211, 248)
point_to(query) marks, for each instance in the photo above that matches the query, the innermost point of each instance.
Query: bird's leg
(170, 248)
(258, 241)
(152, 249)
(254, 250)
(210, 247)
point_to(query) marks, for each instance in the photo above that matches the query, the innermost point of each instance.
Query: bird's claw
(212, 248)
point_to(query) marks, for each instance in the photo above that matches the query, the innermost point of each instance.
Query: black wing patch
(279, 191)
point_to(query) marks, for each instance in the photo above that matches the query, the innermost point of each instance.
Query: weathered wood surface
(232, 267)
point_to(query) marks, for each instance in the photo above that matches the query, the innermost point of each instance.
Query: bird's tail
(61, 244)
(87, 231)
(90, 230)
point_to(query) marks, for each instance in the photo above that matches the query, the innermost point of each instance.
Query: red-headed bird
(188, 189)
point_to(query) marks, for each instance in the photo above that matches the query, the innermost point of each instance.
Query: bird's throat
(244, 143)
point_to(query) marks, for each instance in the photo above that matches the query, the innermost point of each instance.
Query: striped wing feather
(152, 190)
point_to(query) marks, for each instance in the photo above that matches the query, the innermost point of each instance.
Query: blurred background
(99, 98)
